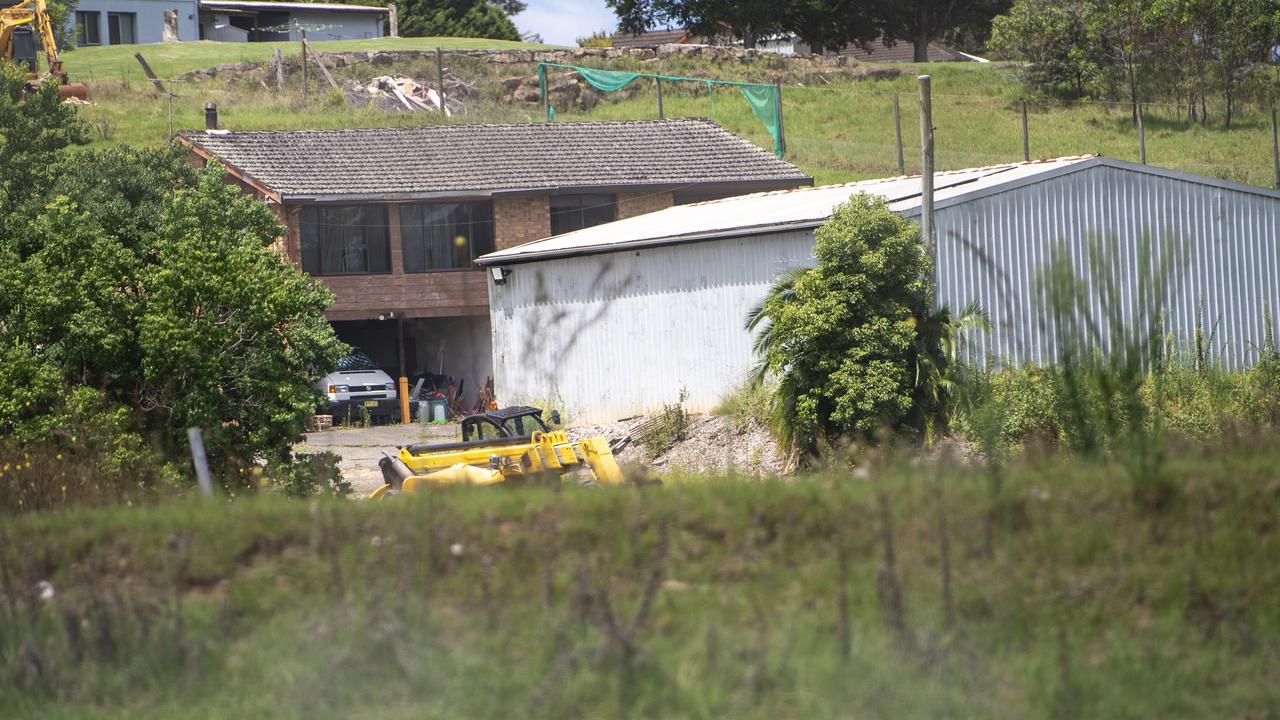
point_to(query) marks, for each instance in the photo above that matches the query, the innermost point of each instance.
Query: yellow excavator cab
(37, 14)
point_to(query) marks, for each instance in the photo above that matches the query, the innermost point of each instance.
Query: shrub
(665, 429)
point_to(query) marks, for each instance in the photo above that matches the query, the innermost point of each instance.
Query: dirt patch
(360, 448)
(714, 444)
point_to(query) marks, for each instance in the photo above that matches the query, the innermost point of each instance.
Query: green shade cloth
(763, 99)
(607, 80)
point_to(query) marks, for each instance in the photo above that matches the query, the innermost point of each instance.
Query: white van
(358, 388)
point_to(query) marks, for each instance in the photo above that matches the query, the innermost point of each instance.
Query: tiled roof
(442, 159)
(902, 51)
(652, 38)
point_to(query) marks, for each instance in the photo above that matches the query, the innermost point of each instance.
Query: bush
(666, 428)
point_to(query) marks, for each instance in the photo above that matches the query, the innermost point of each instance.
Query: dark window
(120, 28)
(445, 236)
(339, 239)
(87, 30)
(574, 212)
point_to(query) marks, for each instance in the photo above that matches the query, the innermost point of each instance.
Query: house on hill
(391, 219)
(878, 50)
(128, 22)
(665, 295)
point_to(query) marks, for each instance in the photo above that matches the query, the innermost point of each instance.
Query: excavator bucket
(78, 91)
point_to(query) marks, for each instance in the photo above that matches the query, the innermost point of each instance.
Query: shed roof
(453, 160)
(806, 208)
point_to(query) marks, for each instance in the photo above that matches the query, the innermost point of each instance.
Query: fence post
(897, 132)
(782, 129)
(440, 78)
(1142, 138)
(926, 167)
(1275, 151)
(661, 115)
(302, 32)
(201, 462)
(1026, 139)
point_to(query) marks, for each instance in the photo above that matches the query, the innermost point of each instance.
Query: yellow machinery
(36, 13)
(497, 449)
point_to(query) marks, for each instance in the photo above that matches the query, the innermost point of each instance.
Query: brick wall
(632, 204)
(518, 220)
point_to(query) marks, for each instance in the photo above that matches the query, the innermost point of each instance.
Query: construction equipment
(37, 14)
(507, 446)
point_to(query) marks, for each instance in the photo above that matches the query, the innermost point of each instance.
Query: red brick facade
(631, 204)
(521, 219)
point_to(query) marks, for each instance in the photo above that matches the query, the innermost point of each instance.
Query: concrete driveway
(361, 447)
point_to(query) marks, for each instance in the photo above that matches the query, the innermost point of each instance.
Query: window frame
(132, 19)
(82, 28)
(319, 271)
(405, 238)
(581, 199)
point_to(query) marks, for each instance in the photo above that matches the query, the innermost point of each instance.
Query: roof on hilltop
(459, 159)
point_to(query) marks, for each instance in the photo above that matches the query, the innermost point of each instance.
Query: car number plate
(371, 403)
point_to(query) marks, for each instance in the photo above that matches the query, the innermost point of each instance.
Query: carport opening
(451, 355)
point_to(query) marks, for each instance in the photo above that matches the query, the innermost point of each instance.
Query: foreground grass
(724, 598)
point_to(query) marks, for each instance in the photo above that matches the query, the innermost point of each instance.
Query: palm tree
(938, 370)
(782, 290)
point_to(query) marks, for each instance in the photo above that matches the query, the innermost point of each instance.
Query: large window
(574, 212)
(120, 28)
(445, 236)
(87, 30)
(342, 239)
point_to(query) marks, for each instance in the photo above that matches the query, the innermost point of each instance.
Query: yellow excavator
(508, 446)
(36, 13)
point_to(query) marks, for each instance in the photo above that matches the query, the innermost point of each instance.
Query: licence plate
(371, 403)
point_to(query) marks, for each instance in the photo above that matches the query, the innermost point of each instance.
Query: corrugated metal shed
(616, 319)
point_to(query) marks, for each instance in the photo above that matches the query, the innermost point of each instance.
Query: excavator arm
(37, 13)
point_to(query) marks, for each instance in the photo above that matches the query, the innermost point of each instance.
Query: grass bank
(837, 129)
(116, 62)
(913, 593)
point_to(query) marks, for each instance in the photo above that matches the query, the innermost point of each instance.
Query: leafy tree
(845, 339)
(1052, 38)
(139, 296)
(749, 21)
(35, 129)
(457, 18)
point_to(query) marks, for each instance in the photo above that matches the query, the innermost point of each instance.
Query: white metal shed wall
(612, 335)
(990, 249)
(619, 333)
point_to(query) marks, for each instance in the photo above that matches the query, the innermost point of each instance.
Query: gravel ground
(713, 444)
(361, 448)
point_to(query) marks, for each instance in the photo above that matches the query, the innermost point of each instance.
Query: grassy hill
(837, 128)
(1052, 595)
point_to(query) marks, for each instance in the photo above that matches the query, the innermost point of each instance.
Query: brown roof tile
(458, 158)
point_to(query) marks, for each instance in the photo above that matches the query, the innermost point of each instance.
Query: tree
(832, 23)
(456, 18)
(749, 21)
(142, 296)
(35, 129)
(841, 337)
(1052, 39)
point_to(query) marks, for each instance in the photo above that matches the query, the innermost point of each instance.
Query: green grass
(526, 603)
(837, 129)
(116, 62)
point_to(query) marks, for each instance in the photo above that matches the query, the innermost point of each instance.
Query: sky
(562, 22)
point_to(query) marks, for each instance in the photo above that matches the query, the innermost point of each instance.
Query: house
(655, 304)
(875, 51)
(127, 22)
(390, 219)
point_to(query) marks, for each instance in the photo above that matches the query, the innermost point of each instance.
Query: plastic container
(439, 409)
(424, 411)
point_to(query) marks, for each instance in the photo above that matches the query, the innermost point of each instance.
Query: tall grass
(825, 596)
